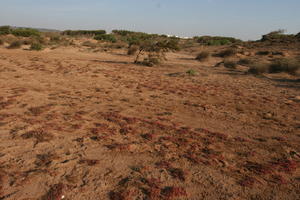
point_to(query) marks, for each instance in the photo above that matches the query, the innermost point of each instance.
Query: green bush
(15, 45)
(191, 72)
(106, 37)
(36, 46)
(25, 32)
(216, 41)
(230, 64)
(204, 55)
(4, 30)
(227, 53)
(83, 32)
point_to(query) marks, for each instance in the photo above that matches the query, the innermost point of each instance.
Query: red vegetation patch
(128, 194)
(286, 165)
(259, 168)
(89, 162)
(173, 192)
(55, 192)
(177, 173)
(278, 179)
(248, 181)
(39, 135)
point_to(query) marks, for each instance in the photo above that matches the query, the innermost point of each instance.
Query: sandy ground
(82, 125)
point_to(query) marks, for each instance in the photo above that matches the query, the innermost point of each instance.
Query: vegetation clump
(230, 64)
(36, 46)
(15, 44)
(83, 32)
(4, 30)
(202, 56)
(290, 66)
(191, 72)
(106, 37)
(245, 61)
(226, 53)
(25, 32)
(216, 41)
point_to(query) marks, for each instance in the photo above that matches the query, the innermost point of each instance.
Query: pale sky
(244, 19)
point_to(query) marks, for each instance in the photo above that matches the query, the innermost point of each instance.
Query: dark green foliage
(216, 41)
(230, 64)
(25, 32)
(4, 30)
(204, 55)
(83, 32)
(227, 53)
(36, 46)
(106, 37)
(15, 45)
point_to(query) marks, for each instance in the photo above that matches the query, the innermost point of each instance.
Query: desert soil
(80, 125)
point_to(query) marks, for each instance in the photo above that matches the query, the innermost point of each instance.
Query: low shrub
(132, 50)
(290, 66)
(25, 32)
(89, 44)
(151, 60)
(4, 30)
(191, 72)
(83, 32)
(106, 37)
(204, 55)
(36, 46)
(15, 44)
(227, 53)
(263, 53)
(230, 64)
(259, 68)
(245, 61)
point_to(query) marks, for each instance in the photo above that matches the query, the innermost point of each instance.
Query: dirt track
(95, 126)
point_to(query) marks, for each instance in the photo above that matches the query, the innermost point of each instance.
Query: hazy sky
(245, 19)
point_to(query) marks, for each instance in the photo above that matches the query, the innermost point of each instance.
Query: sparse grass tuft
(191, 72)
(204, 55)
(227, 53)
